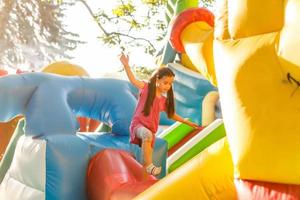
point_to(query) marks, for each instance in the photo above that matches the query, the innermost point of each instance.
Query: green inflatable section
(217, 134)
(174, 7)
(104, 128)
(176, 133)
(10, 150)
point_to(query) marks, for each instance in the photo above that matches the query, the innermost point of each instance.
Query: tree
(32, 33)
(207, 3)
(126, 26)
(143, 73)
(131, 23)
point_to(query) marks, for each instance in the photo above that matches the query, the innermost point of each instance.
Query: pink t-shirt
(152, 120)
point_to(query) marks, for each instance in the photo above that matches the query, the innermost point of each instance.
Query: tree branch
(132, 37)
(106, 33)
(94, 16)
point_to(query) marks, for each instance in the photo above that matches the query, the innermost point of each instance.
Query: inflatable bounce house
(249, 51)
(48, 159)
(245, 55)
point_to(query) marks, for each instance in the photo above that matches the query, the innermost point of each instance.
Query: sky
(96, 58)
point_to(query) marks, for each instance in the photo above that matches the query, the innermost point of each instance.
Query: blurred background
(89, 33)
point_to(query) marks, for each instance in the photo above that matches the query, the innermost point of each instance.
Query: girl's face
(164, 84)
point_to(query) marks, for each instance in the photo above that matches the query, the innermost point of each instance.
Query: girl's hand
(124, 59)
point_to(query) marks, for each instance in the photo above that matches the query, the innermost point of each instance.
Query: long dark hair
(160, 73)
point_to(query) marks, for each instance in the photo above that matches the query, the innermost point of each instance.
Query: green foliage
(111, 39)
(124, 10)
(207, 3)
(136, 24)
(143, 73)
(155, 2)
(130, 28)
(131, 24)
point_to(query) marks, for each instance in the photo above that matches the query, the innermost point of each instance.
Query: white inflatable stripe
(12, 189)
(26, 176)
(191, 143)
(168, 130)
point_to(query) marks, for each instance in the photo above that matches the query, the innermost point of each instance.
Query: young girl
(150, 103)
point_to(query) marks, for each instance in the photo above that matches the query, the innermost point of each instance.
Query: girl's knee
(148, 138)
(144, 134)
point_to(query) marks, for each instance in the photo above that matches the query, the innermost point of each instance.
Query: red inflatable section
(263, 190)
(19, 71)
(115, 174)
(183, 20)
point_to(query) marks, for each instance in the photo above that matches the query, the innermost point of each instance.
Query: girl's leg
(146, 136)
(147, 152)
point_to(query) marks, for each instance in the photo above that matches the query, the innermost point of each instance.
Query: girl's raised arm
(125, 61)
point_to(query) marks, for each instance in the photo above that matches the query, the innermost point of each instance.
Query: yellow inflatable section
(185, 61)
(260, 106)
(65, 68)
(207, 176)
(197, 39)
(254, 59)
(209, 108)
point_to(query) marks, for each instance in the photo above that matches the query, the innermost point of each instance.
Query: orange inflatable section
(3, 72)
(87, 124)
(6, 131)
(115, 174)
